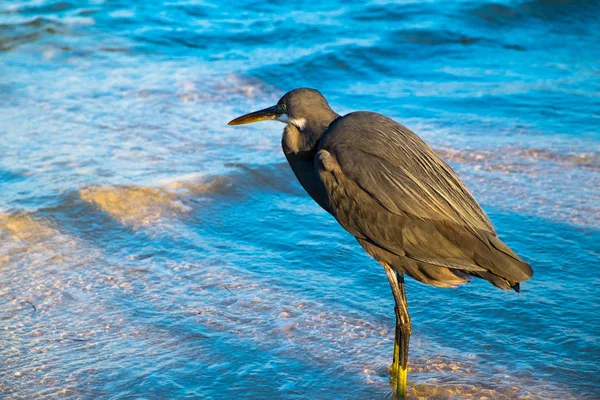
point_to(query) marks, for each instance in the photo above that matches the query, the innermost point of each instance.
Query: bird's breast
(299, 149)
(291, 141)
(303, 167)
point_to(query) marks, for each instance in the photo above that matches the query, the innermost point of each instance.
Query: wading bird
(405, 206)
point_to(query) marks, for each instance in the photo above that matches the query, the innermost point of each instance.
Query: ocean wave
(519, 160)
(548, 11)
(13, 35)
(146, 247)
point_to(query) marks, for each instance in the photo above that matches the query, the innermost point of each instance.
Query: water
(147, 250)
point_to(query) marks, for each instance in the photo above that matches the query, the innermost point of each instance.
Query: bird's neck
(299, 148)
(302, 140)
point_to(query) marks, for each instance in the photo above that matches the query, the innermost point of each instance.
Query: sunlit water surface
(148, 250)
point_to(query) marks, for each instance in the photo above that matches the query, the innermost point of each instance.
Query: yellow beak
(256, 116)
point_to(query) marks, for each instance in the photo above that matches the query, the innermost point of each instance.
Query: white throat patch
(297, 122)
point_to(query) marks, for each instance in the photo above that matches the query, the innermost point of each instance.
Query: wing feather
(388, 187)
(402, 172)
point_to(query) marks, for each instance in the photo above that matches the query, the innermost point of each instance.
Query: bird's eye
(283, 107)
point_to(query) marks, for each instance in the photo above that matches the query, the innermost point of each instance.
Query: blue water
(147, 250)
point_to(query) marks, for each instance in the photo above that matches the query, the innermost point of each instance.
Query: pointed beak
(256, 116)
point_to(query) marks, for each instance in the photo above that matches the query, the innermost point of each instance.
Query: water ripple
(147, 248)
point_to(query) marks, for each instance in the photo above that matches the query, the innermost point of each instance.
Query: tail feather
(513, 267)
(505, 269)
(490, 259)
(432, 274)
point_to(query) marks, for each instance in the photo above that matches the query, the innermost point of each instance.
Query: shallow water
(147, 249)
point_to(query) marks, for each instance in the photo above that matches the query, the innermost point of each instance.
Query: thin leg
(403, 331)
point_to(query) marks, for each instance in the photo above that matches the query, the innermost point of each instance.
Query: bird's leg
(403, 331)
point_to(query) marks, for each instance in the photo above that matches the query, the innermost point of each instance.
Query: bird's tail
(432, 274)
(491, 260)
(504, 268)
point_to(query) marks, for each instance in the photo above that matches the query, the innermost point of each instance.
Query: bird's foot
(399, 380)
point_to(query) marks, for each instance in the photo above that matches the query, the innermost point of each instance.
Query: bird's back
(407, 207)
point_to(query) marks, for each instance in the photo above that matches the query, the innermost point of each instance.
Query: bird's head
(304, 108)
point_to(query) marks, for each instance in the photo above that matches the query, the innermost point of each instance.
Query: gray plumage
(405, 206)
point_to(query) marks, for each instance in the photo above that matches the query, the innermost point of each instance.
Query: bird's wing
(387, 186)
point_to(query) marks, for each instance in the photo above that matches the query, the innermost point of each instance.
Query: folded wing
(390, 190)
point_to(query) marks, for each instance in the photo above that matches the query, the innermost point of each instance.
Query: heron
(404, 205)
